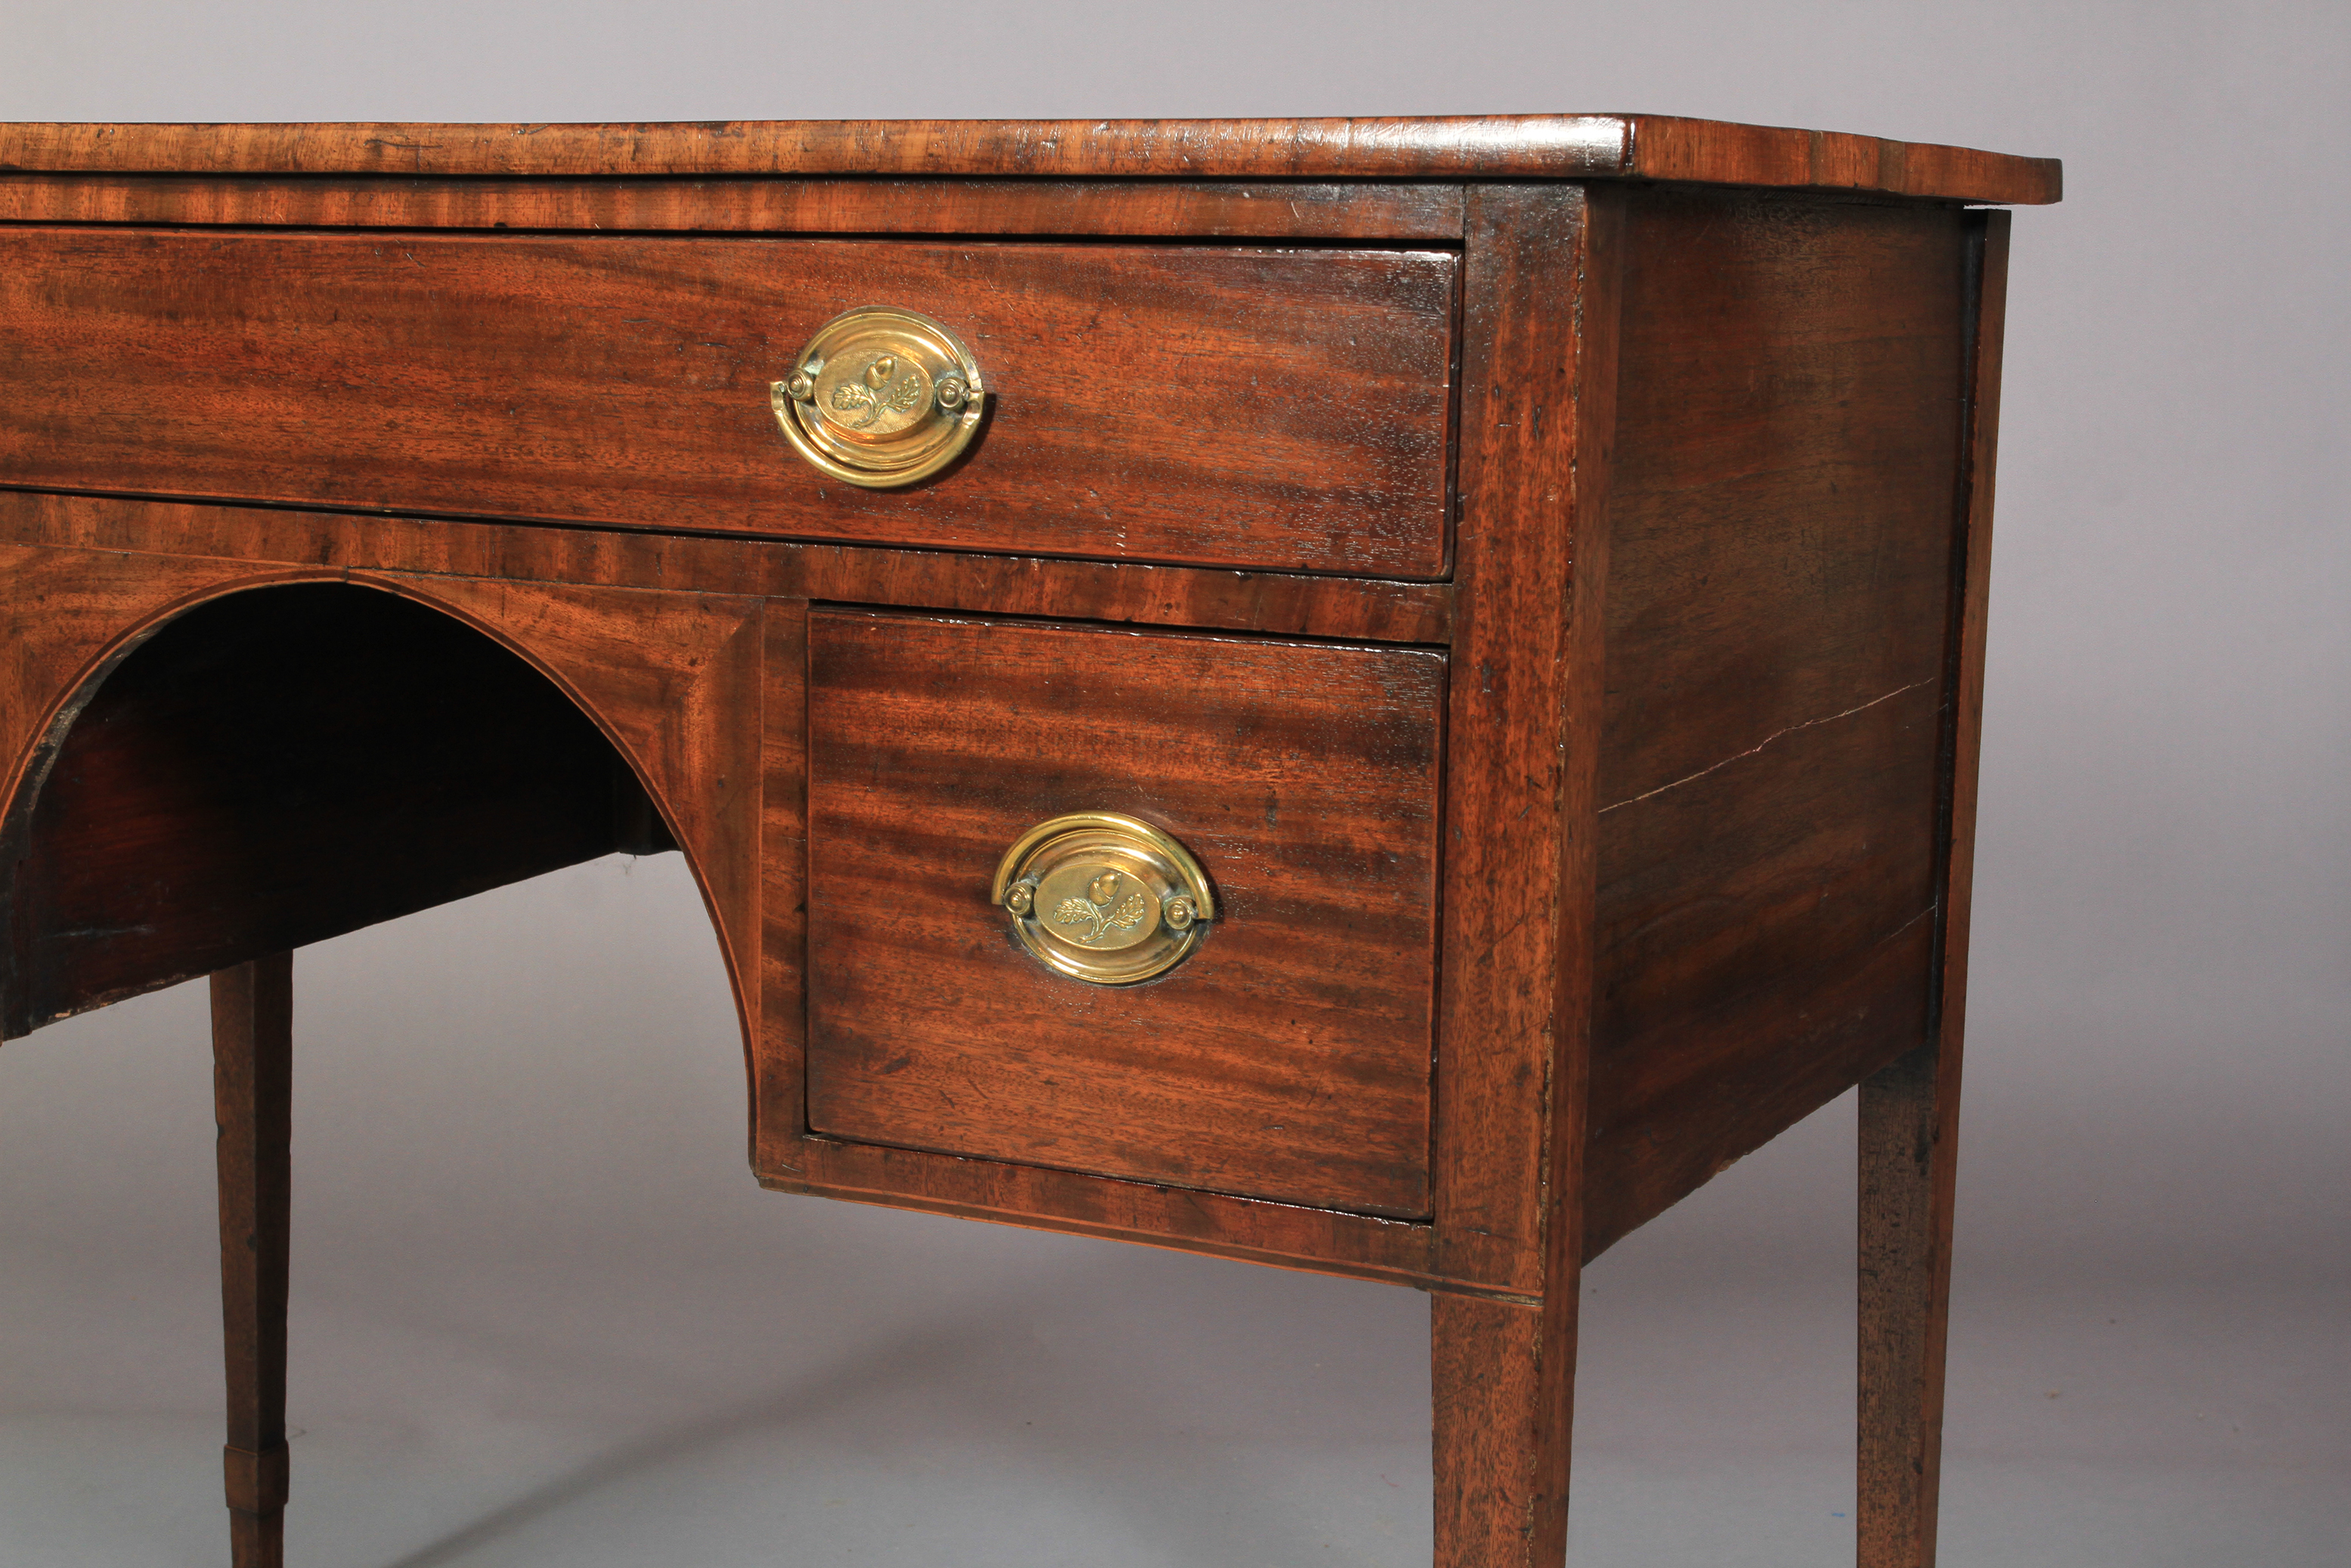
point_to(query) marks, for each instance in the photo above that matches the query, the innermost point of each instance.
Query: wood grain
(1910, 1111)
(1538, 398)
(253, 1066)
(1108, 209)
(208, 540)
(1281, 409)
(1768, 938)
(67, 615)
(1490, 147)
(1288, 1058)
(1790, 415)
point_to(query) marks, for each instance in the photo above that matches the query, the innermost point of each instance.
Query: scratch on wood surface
(1775, 735)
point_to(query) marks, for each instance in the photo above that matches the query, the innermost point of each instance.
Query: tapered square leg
(252, 1072)
(1909, 1140)
(1504, 1399)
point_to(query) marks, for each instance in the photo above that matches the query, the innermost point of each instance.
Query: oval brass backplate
(1103, 898)
(880, 397)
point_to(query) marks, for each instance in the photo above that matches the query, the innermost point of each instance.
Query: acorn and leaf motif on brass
(1102, 911)
(886, 387)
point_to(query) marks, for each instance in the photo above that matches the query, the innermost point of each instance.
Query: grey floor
(542, 1316)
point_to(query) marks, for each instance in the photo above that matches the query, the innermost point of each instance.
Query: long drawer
(1270, 408)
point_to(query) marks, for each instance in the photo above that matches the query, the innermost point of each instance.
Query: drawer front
(1282, 409)
(1288, 1056)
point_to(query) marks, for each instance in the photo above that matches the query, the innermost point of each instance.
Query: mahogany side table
(1382, 696)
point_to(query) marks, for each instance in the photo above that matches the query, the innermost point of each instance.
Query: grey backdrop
(542, 1316)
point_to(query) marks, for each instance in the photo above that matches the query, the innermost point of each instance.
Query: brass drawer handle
(1103, 898)
(880, 398)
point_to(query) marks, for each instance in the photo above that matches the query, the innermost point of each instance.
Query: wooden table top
(1493, 147)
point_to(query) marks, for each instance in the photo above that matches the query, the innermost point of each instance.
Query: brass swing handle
(1103, 898)
(880, 398)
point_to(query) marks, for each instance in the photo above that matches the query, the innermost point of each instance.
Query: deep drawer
(1288, 1056)
(1269, 408)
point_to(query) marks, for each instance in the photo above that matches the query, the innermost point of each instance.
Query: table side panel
(1787, 459)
